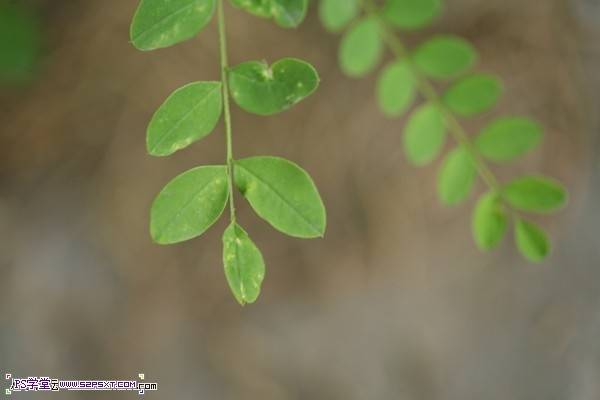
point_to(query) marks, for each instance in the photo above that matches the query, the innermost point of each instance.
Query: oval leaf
(189, 204)
(456, 177)
(336, 14)
(288, 13)
(283, 194)
(508, 138)
(361, 48)
(188, 115)
(396, 89)
(264, 90)
(489, 221)
(473, 94)
(243, 263)
(424, 135)
(535, 194)
(163, 23)
(444, 56)
(531, 241)
(411, 14)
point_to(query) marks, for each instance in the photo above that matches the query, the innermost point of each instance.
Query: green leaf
(189, 204)
(361, 48)
(188, 115)
(489, 221)
(163, 23)
(456, 177)
(264, 90)
(396, 89)
(535, 194)
(473, 94)
(424, 134)
(19, 44)
(411, 14)
(531, 241)
(244, 264)
(286, 13)
(444, 56)
(283, 194)
(508, 138)
(336, 14)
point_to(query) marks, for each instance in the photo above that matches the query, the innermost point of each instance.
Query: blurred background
(395, 302)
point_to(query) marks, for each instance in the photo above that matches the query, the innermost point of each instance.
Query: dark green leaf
(244, 264)
(283, 194)
(189, 204)
(456, 177)
(361, 48)
(489, 221)
(188, 115)
(396, 89)
(507, 138)
(19, 43)
(473, 94)
(424, 135)
(264, 90)
(336, 14)
(535, 194)
(444, 56)
(411, 14)
(531, 241)
(163, 23)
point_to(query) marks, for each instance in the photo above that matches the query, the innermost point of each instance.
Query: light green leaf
(444, 56)
(243, 263)
(535, 194)
(336, 14)
(507, 138)
(264, 90)
(189, 204)
(411, 14)
(489, 221)
(20, 38)
(531, 241)
(456, 177)
(396, 89)
(361, 48)
(473, 94)
(283, 194)
(188, 115)
(286, 13)
(163, 23)
(424, 134)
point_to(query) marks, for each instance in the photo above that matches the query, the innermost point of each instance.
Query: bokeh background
(394, 303)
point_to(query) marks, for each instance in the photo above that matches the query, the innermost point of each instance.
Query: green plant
(419, 72)
(19, 44)
(278, 190)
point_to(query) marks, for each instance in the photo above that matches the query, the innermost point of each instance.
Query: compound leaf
(283, 194)
(507, 138)
(456, 177)
(411, 14)
(189, 204)
(489, 221)
(264, 90)
(396, 89)
(535, 194)
(188, 115)
(243, 263)
(361, 48)
(444, 56)
(336, 14)
(531, 241)
(473, 94)
(424, 134)
(163, 23)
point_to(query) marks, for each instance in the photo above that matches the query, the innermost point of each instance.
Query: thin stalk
(227, 112)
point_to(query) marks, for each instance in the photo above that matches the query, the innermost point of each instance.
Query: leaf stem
(225, 86)
(428, 91)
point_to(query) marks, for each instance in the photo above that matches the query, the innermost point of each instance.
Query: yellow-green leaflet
(473, 94)
(361, 48)
(531, 241)
(489, 221)
(456, 177)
